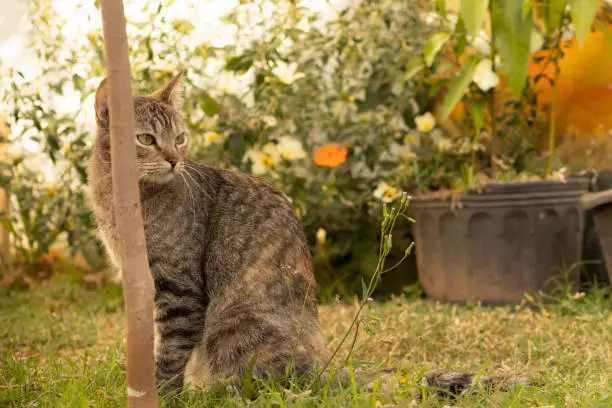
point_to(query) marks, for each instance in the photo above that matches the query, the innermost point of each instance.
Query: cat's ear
(172, 93)
(101, 103)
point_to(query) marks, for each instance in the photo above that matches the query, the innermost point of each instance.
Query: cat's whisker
(191, 176)
(203, 179)
(186, 183)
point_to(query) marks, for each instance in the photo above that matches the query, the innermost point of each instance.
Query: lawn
(61, 345)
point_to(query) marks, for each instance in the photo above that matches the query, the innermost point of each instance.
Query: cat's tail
(441, 380)
(460, 383)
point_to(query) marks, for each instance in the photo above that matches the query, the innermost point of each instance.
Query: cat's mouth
(158, 175)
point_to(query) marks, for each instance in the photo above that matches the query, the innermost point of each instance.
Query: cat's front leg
(179, 323)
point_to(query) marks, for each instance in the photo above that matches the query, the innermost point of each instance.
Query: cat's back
(253, 229)
(243, 197)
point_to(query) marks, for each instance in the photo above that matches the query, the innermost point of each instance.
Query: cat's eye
(146, 139)
(180, 138)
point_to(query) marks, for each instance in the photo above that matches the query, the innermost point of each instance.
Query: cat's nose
(173, 161)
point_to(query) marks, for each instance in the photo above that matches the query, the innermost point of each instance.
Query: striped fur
(230, 261)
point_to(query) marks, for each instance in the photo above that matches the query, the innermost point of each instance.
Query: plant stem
(558, 53)
(492, 110)
(552, 128)
(386, 230)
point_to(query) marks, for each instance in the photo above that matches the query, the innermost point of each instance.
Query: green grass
(61, 345)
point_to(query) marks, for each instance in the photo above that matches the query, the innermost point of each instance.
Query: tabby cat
(229, 259)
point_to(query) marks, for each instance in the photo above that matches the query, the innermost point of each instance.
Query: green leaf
(607, 32)
(513, 41)
(364, 289)
(554, 14)
(239, 63)
(526, 8)
(433, 47)
(413, 69)
(459, 86)
(247, 386)
(209, 105)
(477, 112)
(583, 13)
(473, 14)
(460, 37)
(441, 8)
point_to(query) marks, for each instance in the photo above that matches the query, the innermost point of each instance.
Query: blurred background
(329, 100)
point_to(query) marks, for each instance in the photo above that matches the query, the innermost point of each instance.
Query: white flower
(212, 137)
(425, 122)
(537, 41)
(321, 236)
(263, 161)
(430, 18)
(401, 151)
(16, 153)
(209, 123)
(444, 144)
(228, 83)
(484, 76)
(290, 148)
(386, 193)
(396, 122)
(287, 72)
(270, 121)
(482, 44)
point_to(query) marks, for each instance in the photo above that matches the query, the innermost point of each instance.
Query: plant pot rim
(571, 183)
(509, 194)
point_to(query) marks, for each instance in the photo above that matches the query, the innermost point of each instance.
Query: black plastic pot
(500, 243)
(595, 265)
(601, 206)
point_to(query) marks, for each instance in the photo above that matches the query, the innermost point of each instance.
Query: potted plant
(504, 222)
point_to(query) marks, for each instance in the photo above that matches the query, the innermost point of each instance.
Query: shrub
(321, 106)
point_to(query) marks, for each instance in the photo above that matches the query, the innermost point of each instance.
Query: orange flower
(330, 155)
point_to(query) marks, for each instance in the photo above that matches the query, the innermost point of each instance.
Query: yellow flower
(51, 192)
(264, 160)
(426, 122)
(385, 193)
(204, 47)
(211, 137)
(321, 236)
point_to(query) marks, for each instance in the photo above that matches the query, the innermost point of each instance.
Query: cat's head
(161, 135)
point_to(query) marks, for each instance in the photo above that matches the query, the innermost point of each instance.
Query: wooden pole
(5, 205)
(137, 282)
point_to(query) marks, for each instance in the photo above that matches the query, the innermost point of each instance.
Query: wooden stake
(137, 282)
(5, 205)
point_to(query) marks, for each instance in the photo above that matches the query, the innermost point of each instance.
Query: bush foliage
(319, 105)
